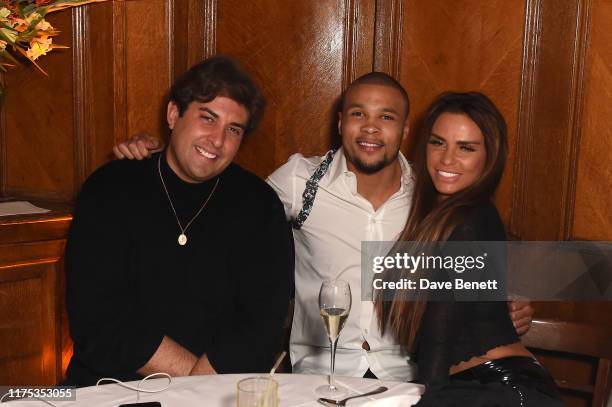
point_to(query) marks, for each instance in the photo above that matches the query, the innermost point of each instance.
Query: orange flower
(43, 25)
(39, 47)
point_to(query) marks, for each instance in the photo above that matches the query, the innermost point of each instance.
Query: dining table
(220, 391)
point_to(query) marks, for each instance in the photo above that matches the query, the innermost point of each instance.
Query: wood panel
(550, 133)
(550, 116)
(37, 227)
(546, 64)
(302, 54)
(21, 253)
(39, 123)
(148, 64)
(388, 37)
(29, 324)
(96, 89)
(111, 83)
(464, 46)
(194, 32)
(32, 297)
(593, 218)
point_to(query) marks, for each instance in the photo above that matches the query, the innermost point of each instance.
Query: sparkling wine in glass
(334, 305)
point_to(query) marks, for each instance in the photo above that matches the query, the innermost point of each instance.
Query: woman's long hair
(432, 220)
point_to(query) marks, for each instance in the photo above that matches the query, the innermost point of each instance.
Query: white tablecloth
(220, 390)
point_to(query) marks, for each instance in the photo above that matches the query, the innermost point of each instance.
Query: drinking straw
(269, 392)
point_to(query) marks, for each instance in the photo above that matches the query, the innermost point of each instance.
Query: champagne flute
(335, 305)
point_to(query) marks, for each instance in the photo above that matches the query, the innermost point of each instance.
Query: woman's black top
(455, 331)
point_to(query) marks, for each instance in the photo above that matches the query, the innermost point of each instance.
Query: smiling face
(206, 138)
(372, 124)
(456, 153)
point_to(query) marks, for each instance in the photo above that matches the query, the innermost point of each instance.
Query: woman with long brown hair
(468, 353)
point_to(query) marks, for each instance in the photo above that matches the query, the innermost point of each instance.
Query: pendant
(182, 239)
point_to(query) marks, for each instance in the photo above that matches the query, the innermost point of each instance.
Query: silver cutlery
(330, 402)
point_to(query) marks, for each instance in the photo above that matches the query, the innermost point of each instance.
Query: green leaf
(8, 35)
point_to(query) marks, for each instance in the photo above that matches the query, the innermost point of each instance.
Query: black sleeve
(440, 324)
(111, 333)
(444, 320)
(264, 260)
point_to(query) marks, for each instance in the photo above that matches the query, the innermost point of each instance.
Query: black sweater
(129, 283)
(455, 331)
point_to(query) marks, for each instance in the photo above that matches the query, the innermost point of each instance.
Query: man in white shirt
(364, 195)
(362, 192)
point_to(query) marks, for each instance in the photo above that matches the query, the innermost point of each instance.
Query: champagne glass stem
(333, 344)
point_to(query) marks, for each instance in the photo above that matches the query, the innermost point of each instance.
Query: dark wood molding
(549, 119)
(524, 136)
(46, 328)
(120, 71)
(39, 194)
(365, 38)
(351, 14)
(206, 39)
(388, 37)
(193, 31)
(52, 225)
(3, 160)
(81, 57)
(61, 328)
(170, 22)
(580, 59)
(359, 18)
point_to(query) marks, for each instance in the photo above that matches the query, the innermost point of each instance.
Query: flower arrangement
(25, 32)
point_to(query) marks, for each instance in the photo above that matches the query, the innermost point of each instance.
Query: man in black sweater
(184, 263)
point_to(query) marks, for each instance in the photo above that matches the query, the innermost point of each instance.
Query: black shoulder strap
(312, 186)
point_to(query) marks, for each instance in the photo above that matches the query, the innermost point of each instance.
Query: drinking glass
(258, 392)
(334, 305)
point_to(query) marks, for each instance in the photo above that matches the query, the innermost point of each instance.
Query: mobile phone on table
(147, 404)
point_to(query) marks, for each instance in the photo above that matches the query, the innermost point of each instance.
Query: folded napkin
(393, 401)
(19, 208)
(399, 394)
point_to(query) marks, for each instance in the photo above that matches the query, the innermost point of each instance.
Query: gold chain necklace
(182, 239)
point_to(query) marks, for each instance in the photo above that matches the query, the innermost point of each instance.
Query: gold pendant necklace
(182, 239)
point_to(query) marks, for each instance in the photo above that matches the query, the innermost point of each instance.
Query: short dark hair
(383, 79)
(219, 76)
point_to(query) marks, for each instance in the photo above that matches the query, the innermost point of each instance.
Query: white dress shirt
(328, 246)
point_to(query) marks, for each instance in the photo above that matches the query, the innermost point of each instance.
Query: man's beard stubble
(371, 168)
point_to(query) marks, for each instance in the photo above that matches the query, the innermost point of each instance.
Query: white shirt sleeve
(283, 181)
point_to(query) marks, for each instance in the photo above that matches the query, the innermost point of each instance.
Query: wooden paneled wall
(545, 63)
(592, 218)
(303, 53)
(111, 82)
(464, 46)
(34, 343)
(550, 79)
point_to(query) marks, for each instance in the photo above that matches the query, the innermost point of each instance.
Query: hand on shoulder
(521, 314)
(138, 147)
